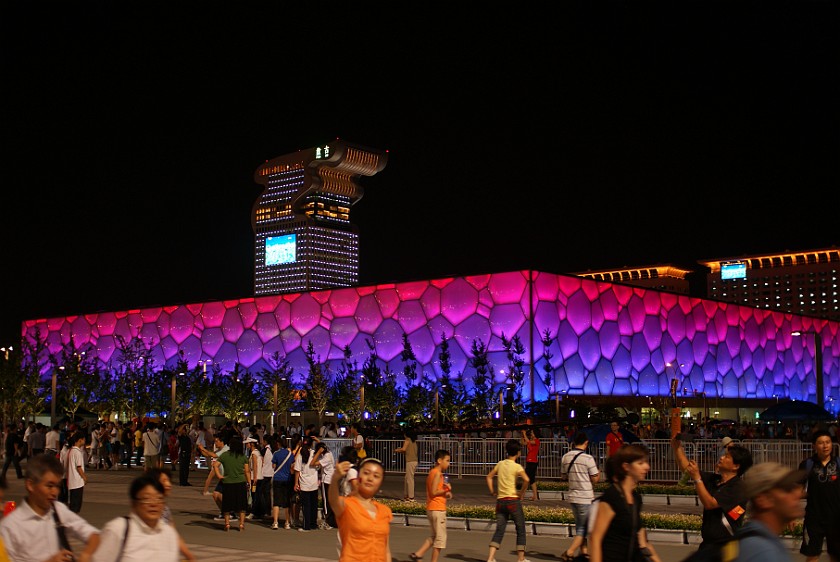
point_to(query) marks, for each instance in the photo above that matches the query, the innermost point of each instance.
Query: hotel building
(304, 240)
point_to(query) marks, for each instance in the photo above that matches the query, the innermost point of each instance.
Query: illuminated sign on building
(280, 249)
(736, 270)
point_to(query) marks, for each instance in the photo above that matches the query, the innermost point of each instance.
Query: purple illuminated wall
(610, 339)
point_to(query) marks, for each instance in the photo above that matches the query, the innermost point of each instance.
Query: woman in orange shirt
(364, 524)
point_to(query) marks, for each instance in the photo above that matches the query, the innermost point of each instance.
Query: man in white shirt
(75, 469)
(53, 441)
(31, 532)
(582, 472)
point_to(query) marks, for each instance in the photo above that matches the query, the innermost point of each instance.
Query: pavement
(106, 497)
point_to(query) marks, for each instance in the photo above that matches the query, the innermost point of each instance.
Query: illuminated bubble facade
(608, 339)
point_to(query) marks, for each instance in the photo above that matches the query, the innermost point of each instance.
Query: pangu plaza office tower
(304, 238)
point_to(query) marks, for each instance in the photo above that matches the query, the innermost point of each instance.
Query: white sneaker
(219, 517)
(249, 516)
(275, 526)
(287, 526)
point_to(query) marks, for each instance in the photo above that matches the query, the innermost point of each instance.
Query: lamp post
(174, 384)
(204, 363)
(6, 351)
(54, 393)
(362, 399)
(274, 411)
(676, 421)
(818, 364)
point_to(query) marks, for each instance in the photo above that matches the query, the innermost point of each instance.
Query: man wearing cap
(721, 494)
(774, 492)
(822, 509)
(724, 444)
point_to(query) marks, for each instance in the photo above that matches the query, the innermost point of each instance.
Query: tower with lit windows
(304, 238)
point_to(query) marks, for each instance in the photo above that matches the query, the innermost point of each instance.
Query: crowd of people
(282, 479)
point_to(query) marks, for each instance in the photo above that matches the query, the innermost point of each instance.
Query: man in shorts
(438, 491)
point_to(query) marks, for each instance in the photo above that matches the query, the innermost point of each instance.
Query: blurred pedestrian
(37, 530)
(618, 534)
(144, 533)
(364, 524)
(774, 493)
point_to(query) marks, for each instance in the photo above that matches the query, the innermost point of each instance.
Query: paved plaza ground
(106, 497)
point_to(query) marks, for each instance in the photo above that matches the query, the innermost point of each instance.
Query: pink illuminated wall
(609, 339)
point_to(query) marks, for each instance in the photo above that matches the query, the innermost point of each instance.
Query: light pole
(818, 364)
(54, 393)
(676, 421)
(174, 384)
(274, 411)
(204, 363)
(6, 351)
(362, 399)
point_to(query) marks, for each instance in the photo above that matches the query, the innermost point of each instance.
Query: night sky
(587, 136)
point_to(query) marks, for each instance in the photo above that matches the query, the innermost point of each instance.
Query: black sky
(586, 136)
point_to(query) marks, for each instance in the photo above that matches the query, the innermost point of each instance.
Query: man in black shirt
(185, 446)
(721, 493)
(822, 509)
(14, 450)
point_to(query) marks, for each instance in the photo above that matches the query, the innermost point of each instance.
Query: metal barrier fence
(476, 457)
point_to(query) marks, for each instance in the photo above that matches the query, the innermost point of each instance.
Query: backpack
(722, 550)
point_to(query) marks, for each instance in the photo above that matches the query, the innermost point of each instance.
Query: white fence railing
(475, 457)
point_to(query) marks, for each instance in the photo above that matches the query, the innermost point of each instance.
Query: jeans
(581, 513)
(509, 508)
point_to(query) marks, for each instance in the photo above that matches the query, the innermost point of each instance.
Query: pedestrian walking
(582, 474)
(438, 490)
(508, 499)
(617, 534)
(38, 529)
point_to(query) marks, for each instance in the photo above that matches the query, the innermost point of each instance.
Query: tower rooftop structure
(304, 238)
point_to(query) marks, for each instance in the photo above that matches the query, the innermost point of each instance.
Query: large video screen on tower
(733, 270)
(280, 249)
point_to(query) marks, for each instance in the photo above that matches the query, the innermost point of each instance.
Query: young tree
(135, 365)
(346, 388)
(548, 370)
(235, 393)
(277, 384)
(514, 350)
(418, 395)
(482, 392)
(78, 379)
(317, 383)
(452, 390)
(31, 391)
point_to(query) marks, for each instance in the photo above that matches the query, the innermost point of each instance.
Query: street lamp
(6, 351)
(174, 383)
(818, 363)
(204, 363)
(54, 385)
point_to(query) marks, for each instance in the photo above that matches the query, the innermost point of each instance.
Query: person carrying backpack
(721, 494)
